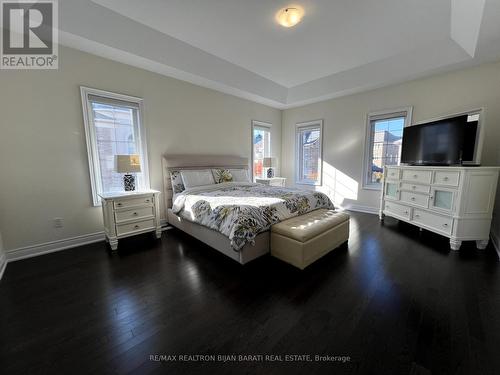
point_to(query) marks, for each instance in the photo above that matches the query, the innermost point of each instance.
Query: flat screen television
(449, 141)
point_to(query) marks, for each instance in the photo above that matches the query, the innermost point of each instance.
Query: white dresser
(273, 181)
(129, 213)
(456, 202)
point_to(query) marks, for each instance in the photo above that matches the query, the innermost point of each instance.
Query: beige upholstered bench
(304, 239)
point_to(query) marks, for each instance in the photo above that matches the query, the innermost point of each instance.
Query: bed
(234, 217)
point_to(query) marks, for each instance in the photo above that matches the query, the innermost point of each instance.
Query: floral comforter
(241, 211)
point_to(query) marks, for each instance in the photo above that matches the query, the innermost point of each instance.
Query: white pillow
(193, 178)
(240, 175)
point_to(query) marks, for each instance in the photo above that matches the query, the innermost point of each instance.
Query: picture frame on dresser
(453, 201)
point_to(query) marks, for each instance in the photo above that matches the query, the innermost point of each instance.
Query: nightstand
(129, 213)
(273, 181)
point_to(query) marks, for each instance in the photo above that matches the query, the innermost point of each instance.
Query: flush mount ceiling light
(288, 17)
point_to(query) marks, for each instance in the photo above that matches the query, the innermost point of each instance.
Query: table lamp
(128, 164)
(269, 163)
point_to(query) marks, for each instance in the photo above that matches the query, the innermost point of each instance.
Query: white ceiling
(334, 35)
(235, 46)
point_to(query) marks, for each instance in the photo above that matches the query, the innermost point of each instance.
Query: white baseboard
(3, 265)
(359, 208)
(496, 243)
(53, 246)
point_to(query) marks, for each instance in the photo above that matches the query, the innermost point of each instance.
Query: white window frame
(91, 140)
(315, 124)
(406, 112)
(267, 126)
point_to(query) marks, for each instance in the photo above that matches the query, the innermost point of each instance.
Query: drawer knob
(135, 213)
(413, 187)
(119, 204)
(417, 215)
(412, 198)
(446, 178)
(415, 175)
(445, 225)
(431, 197)
(136, 227)
(147, 200)
(406, 212)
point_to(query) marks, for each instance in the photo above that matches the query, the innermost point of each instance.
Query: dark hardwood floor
(396, 301)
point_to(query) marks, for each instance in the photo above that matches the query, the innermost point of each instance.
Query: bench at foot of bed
(304, 239)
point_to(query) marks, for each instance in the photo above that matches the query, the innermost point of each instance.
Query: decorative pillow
(222, 175)
(177, 184)
(193, 178)
(240, 175)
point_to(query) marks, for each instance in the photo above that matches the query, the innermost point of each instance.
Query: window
(112, 127)
(309, 152)
(261, 147)
(384, 137)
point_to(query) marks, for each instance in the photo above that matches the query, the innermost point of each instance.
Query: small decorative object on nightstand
(126, 214)
(269, 163)
(275, 181)
(128, 164)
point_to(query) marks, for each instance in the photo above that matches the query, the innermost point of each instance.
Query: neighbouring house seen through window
(385, 138)
(309, 153)
(261, 145)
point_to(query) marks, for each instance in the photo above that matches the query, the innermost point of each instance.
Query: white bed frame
(212, 238)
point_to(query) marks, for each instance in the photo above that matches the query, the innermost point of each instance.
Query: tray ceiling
(236, 46)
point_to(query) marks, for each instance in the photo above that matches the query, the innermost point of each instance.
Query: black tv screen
(445, 142)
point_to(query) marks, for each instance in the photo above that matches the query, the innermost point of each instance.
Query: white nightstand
(129, 213)
(274, 181)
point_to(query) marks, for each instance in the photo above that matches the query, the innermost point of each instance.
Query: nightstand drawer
(134, 202)
(135, 227)
(138, 213)
(273, 181)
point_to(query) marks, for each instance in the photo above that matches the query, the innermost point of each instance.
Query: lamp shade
(269, 162)
(128, 163)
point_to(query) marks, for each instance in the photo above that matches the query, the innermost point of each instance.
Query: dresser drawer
(415, 198)
(430, 220)
(392, 173)
(135, 227)
(397, 209)
(448, 178)
(138, 213)
(426, 189)
(421, 176)
(133, 202)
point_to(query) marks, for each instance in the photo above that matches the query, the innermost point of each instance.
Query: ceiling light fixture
(288, 17)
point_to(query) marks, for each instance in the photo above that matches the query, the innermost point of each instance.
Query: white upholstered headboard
(177, 162)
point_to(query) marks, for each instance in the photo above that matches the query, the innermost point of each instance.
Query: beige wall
(345, 125)
(2, 253)
(44, 170)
